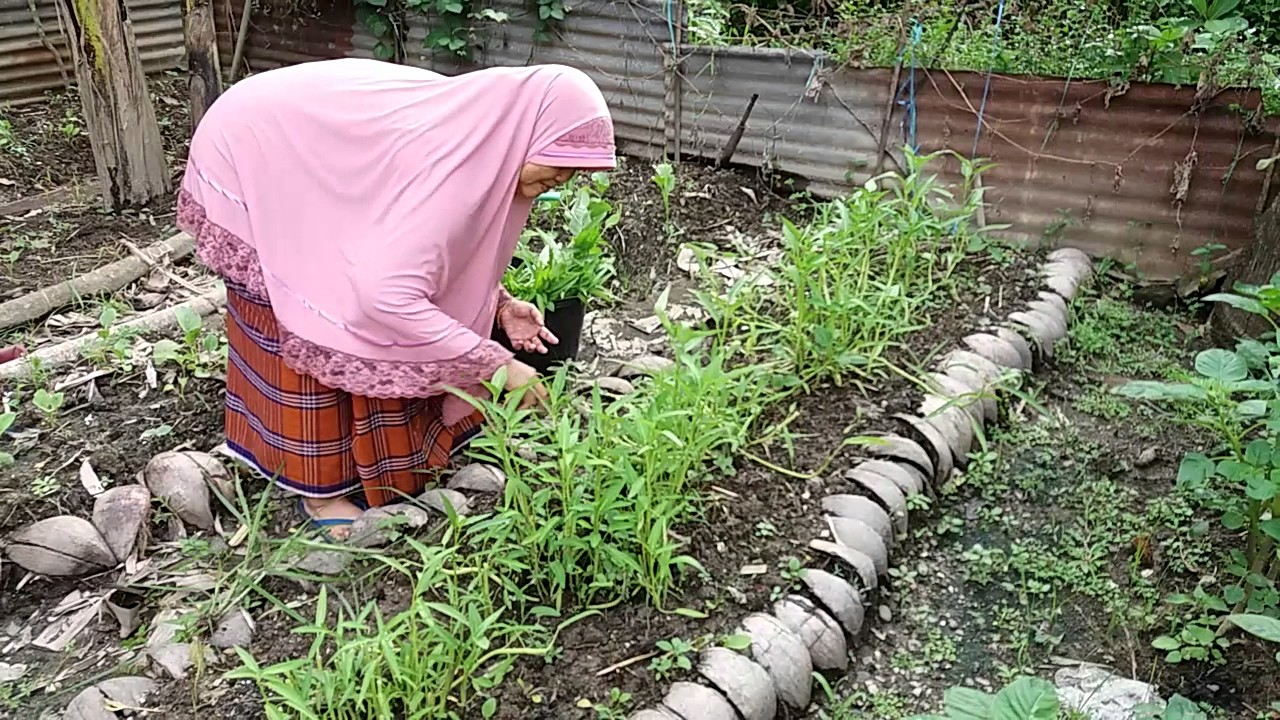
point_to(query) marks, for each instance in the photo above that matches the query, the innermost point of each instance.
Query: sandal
(322, 525)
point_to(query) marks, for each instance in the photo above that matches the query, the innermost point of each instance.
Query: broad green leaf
(1152, 390)
(1260, 489)
(1239, 302)
(1271, 527)
(967, 704)
(1027, 698)
(1267, 628)
(1221, 365)
(1164, 642)
(1180, 708)
(1251, 409)
(1195, 469)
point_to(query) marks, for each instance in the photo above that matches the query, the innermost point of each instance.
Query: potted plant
(561, 272)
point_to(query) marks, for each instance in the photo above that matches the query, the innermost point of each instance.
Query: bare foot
(333, 509)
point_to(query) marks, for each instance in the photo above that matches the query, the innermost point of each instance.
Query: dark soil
(52, 225)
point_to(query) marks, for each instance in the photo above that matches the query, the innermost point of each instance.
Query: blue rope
(908, 84)
(671, 26)
(986, 86)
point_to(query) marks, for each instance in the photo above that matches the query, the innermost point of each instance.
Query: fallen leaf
(90, 480)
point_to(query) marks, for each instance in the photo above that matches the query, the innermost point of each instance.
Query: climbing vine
(451, 25)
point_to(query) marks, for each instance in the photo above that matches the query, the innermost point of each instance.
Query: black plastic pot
(565, 322)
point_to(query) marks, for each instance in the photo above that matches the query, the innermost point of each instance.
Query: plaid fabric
(317, 441)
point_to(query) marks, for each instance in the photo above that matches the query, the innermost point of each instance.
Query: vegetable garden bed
(644, 519)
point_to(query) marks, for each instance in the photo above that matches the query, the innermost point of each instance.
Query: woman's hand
(524, 326)
(520, 375)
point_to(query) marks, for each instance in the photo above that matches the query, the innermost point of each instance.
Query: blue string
(671, 26)
(916, 33)
(986, 86)
(908, 84)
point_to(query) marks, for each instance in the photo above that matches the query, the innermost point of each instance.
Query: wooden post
(204, 83)
(118, 113)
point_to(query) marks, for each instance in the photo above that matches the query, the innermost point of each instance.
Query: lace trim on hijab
(596, 134)
(237, 264)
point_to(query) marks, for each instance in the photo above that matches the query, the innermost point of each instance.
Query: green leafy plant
(1026, 698)
(48, 403)
(664, 176)
(112, 346)
(675, 655)
(7, 419)
(1262, 627)
(196, 354)
(577, 269)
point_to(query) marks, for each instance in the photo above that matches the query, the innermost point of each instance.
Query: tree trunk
(1228, 324)
(202, 58)
(118, 113)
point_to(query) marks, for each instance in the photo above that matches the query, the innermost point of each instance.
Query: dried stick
(106, 279)
(241, 40)
(69, 351)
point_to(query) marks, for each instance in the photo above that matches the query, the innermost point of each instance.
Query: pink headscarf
(381, 202)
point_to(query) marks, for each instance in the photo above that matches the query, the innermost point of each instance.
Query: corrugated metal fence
(35, 56)
(1137, 176)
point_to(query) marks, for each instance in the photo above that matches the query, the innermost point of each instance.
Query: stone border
(814, 629)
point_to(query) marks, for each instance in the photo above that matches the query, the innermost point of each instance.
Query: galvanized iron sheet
(1139, 177)
(286, 32)
(35, 56)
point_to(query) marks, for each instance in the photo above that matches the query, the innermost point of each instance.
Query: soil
(52, 225)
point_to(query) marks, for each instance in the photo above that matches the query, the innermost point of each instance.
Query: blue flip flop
(322, 524)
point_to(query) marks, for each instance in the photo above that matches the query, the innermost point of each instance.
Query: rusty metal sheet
(282, 32)
(809, 120)
(1138, 177)
(35, 56)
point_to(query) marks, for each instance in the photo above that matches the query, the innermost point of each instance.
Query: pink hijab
(381, 202)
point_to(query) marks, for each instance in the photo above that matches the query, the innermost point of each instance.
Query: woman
(362, 214)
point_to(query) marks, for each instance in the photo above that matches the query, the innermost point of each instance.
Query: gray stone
(857, 507)
(837, 596)
(743, 681)
(816, 629)
(234, 630)
(690, 701)
(130, 691)
(478, 477)
(941, 451)
(439, 498)
(377, 526)
(90, 704)
(173, 659)
(645, 365)
(896, 447)
(118, 514)
(1101, 694)
(324, 562)
(996, 350)
(886, 490)
(857, 561)
(886, 615)
(610, 385)
(783, 656)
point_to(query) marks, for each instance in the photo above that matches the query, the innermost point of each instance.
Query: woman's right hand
(520, 375)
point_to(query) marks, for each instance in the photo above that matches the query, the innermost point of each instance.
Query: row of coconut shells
(815, 630)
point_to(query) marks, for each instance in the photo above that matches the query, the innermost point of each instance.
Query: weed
(664, 176)
(49, 404)
(675, 655)
(197, 354)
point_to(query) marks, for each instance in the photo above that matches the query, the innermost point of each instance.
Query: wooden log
(70, 351)
(106, 279)
(204, 83)
(118, 113)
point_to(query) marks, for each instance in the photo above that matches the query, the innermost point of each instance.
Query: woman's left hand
(523, 324)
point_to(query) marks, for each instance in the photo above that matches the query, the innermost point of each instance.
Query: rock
(12, 672)
(377, 525)
(896, 447)
(478, 477)
(178, 480)
(659, 713)
(783, 655)
(816, 629)
(1101, 694)
(61, 546)
(857, 507)
(645, 365)
(744, 682)
(118, 514)
(1019, 344)
(908, 479)
(234, 630)
(610, 385)
(439, 499)
(885, 490)
(957, 394)
(886, 615)
(90, 704)
(324, 562)
(996, 350)
(131, 691)
(935, 443)
(1146, 457)
(173, 659)
(839, 597)
(855, 559)
(689, 701)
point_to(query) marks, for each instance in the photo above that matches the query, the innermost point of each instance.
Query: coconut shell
(660, 713)
(973, 362)
(744, 682)
(935, 443)
(996, 350)
(783, 656)
(960, 395)
(838, 596)
(1019, 344)
(645, 365)
(690, 700)
(977, 387)
(62, 546)
(956, 425)
(910, 480)
(1070, 254)
(896, 447)
(857, 507)
(856, 560)
(119, 514)
(816, 629)
(859, 536)
(885, 490)
(179, 481)
(1047, 301)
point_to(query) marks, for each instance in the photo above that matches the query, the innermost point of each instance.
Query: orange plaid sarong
(320, 442)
